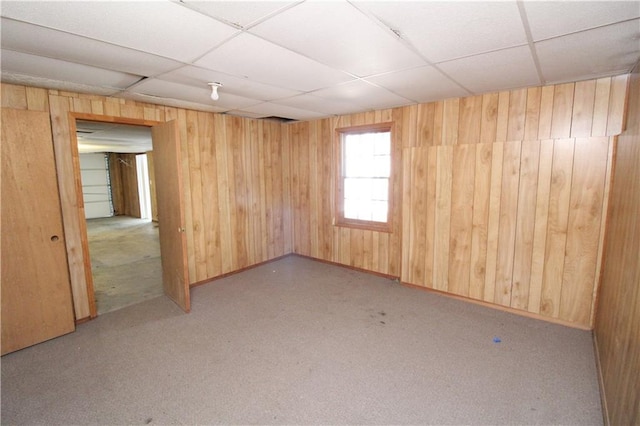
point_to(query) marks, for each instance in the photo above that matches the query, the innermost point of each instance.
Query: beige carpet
(301, 342)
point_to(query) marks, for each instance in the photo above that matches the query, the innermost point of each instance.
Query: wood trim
(603, 396)
(246, 268)
(340, 220)
(82, 222)
(342, 265)
(501, 307)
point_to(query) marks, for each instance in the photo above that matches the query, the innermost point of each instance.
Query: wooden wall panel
(231, 221)
(617, 328)
(312, 148)
(513, 227)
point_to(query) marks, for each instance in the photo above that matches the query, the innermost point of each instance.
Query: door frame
(82, 222)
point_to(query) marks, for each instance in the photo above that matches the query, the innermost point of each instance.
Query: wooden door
(36, 289)
(173, 244)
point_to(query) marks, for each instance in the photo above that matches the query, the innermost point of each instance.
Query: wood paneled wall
(503, 196)
(123, 173)
(312, 196)
(617, 328)
(235, 179)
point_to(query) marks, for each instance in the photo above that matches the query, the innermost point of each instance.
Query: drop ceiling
(312, 59)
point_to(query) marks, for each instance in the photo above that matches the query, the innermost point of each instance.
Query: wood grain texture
(617, 327)
(256, 190)
(36, 290)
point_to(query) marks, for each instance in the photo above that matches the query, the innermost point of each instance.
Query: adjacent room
(320, 212)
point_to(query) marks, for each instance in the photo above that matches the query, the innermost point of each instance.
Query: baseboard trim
(329, 262)
(237, 271)
(603, 396)
(501, 308)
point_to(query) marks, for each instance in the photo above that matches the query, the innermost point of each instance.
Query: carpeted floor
(125, 261)
(300, 342)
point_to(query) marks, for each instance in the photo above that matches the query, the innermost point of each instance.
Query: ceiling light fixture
(214, 90)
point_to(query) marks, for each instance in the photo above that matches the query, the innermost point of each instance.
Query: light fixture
(214, 90)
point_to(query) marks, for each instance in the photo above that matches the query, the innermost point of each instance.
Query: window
(364, 180)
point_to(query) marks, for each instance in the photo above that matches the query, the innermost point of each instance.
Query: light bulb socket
(214, 90)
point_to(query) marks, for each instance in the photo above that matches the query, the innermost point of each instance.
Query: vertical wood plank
(470, 119)
(517, 115)
(489, 119)
(601, 107)
(430, 221)
(463, 181)
(508, 216)
(502, 123)
(583, 104)
(444, 165)
(546, 112)
(450, 121)
(425, 125)
(480, 221)
(532, 119)
(540, 228)
(617, 102)
(562, 111)
(583, 230)
(493, 226)
(559, 197)
(525, 224)
(13, 96)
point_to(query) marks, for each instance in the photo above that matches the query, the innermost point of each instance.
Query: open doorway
(116, 168)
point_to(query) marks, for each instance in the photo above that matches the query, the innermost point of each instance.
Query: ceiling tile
(238, 13)
(364, 94)
(423, 84)
(444, 30)
(339, 35)
(162, 28)
(268, 109)
(195, 76)
(603, 51)
(201, 95)
(251, 57)
(505, 69)
(54, 69)
(178, 103)
(314, 103)
(28, 38)
(553, 18)
(29, 80)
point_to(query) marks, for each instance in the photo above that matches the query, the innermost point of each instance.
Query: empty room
(367, 212)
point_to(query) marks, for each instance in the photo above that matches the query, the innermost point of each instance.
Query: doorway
(123, 240)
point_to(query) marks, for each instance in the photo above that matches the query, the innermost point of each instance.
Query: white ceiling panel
(338, 35)
(196, 76)
(201, 95)
(423, 84)
(172, 102)
(505, 69)
(364, 94)
(70, 86)
(444, 30)
(311, 59)
(160, 27)
(28, 38)
(268, 109)
(238, 13)
(54, 69)
(617, 44)
(551, 19)
(251, 57)
(314, 103)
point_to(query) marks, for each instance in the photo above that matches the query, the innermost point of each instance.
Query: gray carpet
(300, 342)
